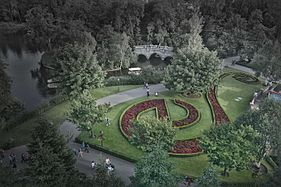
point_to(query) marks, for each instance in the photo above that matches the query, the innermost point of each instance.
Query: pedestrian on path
(93, 164)
(147, 92)
(80, 153)
(87, 148)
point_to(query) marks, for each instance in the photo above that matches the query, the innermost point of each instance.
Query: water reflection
(28, 87)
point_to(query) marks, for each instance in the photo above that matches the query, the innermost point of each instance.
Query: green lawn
(229, 89)
(57, 114)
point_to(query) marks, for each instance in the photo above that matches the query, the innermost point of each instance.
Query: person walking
(93, 164)
(147, 92)
(80, 153)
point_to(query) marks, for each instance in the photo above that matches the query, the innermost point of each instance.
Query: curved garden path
(124, 169)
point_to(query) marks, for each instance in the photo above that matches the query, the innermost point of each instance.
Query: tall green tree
(51, 161)
(194, 68)
(86, 113)
(149, 132)
(154, 170)
(209, 178)
(230, 147)
(77, 70)
(41, 27)
(9, 106)
(267, 60)
(115, 51)
(103, 179)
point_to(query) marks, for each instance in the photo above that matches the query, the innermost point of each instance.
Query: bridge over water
(149, 50)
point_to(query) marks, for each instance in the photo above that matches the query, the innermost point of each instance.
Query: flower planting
(219, 114)
(181, 147)
(132, 113)
(186, 147)
(192, 117)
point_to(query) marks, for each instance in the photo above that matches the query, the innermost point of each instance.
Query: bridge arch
(148, 50)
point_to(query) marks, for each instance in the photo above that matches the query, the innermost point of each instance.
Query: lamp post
(118, 89)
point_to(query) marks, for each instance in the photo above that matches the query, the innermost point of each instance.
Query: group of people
(13, 159)
(145, 86)
(109, 166)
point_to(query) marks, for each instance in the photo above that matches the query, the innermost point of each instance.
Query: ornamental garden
(189, 115)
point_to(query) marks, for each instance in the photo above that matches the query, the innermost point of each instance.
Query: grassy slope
(21, 133)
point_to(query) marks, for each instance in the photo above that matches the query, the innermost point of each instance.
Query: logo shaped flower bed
(192, 117)
(219, 114)
(181, 147)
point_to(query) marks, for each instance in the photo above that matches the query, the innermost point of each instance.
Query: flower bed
(186, 147)
(245, 78)
(181, 147)
(218, 113)
(132, 113)
(192, 117)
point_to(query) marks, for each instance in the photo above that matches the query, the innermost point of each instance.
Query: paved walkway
(227, 62)
(124, 169)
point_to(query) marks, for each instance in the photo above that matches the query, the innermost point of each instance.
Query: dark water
(21, 60)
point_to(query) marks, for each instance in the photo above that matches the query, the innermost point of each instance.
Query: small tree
(229, 146)
(194, 68)
(86, 113)
(154, 170)
(149, 132)
(102, 179)
(209, 178)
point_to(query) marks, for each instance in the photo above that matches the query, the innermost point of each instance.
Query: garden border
(194, 122)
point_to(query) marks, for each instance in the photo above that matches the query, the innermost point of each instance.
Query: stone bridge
(148, 50)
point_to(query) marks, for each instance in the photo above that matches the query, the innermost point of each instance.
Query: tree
(41, 26)
(194, 68)
(103, 179)
(267, 60)
(229, 146)
(115, 51)
(209, 178)
(261, 123)
(86, 113)
(154, 170)
(9, 106)
(149, 132)
(77, 70)
(51, 161)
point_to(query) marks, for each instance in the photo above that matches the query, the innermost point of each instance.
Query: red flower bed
(132, 113)
(219, 114)
(192, 116)
(185, 147)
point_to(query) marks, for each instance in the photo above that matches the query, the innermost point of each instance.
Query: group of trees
(9, 106)
(253, 136)
(52, 163)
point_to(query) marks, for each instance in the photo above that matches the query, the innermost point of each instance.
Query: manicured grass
(231, 89)
(192, 166)
(21, 133)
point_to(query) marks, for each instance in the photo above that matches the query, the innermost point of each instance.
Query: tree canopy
(149, 132)
(230, 147)
(77, 70)
(154, 170)
(194, 68)
(86, 113)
